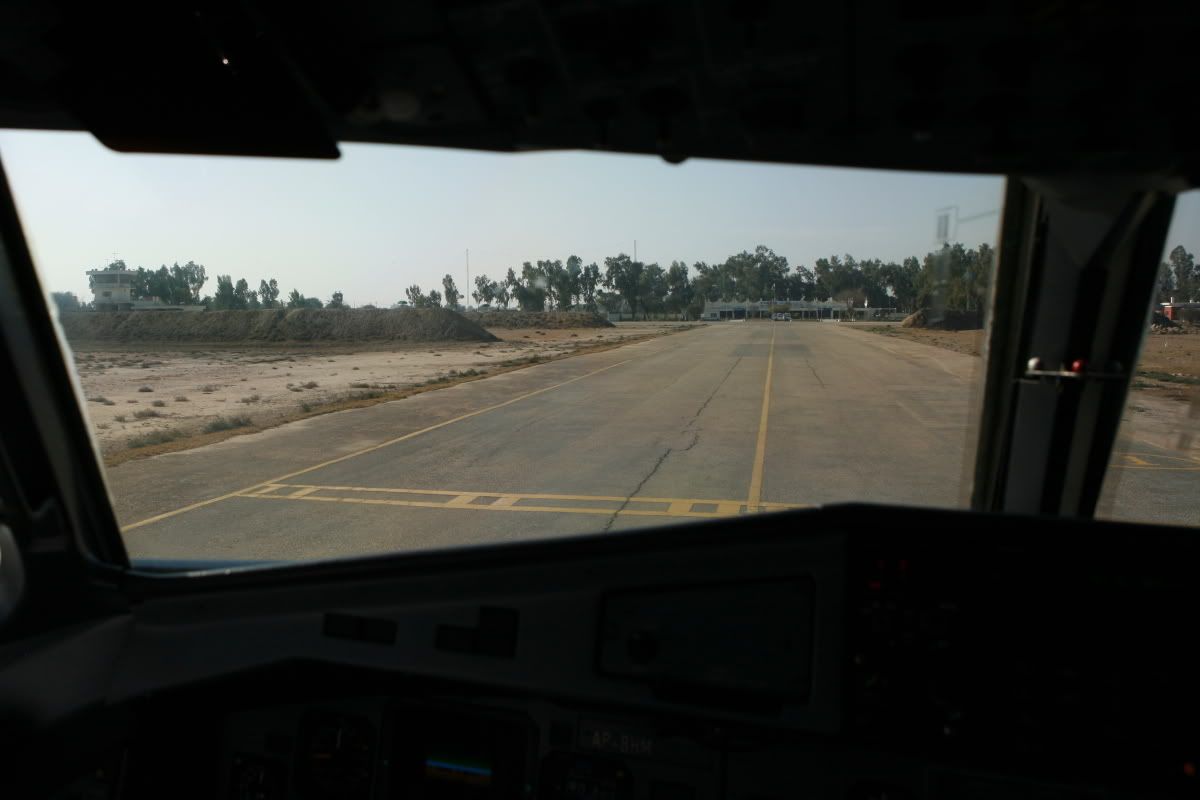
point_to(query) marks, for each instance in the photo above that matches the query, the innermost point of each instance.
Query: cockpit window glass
(1154, 475)
(413, 348)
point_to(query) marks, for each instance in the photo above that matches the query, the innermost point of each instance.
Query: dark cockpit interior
(1017, 648)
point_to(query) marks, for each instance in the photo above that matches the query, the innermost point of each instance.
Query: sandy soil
(968, 342)
(139, 396)
(1169, 366)
(1164, 405)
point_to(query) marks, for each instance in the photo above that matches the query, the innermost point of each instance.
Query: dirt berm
(538, 319)
(946, 319)
(274, 325)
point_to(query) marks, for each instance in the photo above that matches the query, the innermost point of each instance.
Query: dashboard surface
(854, 652)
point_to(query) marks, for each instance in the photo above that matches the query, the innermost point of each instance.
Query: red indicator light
(1078, 365)
(1189, 769)
(874, 586)
(904, 565)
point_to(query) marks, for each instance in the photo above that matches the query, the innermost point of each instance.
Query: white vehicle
(781, 316)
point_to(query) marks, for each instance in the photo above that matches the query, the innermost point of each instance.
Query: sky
(384, 217)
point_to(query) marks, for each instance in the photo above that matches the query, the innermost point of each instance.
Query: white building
(112, 288)
(799, 309)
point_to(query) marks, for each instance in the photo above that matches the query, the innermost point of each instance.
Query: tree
(589, 279)
(610, 300)
(833, 275)
(335, 301)
(503, 294)
(1183, 270)
(416, 298)
(435, 298)
(485, 290)
(295, 299)
(268, 292)
(801, 284)
(624, 276)
(530, 289)
(552, 276)
(901, 282)
(707, 283)
(955, 278)
(174, 286)
(194, 276)
(652, 288)
(572, 285)
(242, 294)
(679, 288)
(562, 283)
(66, 301)
(225, 297)
(451, 290)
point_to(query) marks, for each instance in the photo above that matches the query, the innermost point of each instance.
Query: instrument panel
(866, 662)
(445, 749)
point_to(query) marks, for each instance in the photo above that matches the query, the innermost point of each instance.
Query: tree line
(181, 286)
(952, 277)
(239, 296)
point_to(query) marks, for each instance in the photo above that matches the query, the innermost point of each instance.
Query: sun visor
(182, 80)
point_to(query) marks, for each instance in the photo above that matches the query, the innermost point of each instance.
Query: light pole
(948, 221)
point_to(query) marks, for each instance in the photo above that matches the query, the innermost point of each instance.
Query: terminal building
(799, 309)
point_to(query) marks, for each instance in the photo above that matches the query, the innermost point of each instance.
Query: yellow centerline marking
(511, 497)
(1158, 469)
(754, 499)
(509, 501)
(1138, 461)
(371, 449)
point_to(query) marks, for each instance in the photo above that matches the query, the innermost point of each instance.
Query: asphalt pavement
(720, 420)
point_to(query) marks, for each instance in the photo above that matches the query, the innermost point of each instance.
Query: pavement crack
(813, 370)
(713, 393)
(690, 426)
(638, 488)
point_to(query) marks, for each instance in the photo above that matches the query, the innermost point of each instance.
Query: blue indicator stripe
(457, 767)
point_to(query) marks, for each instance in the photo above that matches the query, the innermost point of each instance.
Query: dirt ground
(968, 342)
(1164, 407)
(1169, 365)
(145, 398)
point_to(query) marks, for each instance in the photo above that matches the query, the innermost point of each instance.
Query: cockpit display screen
(449, 755)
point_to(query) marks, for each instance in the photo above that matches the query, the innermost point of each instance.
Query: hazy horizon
(384, 217)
